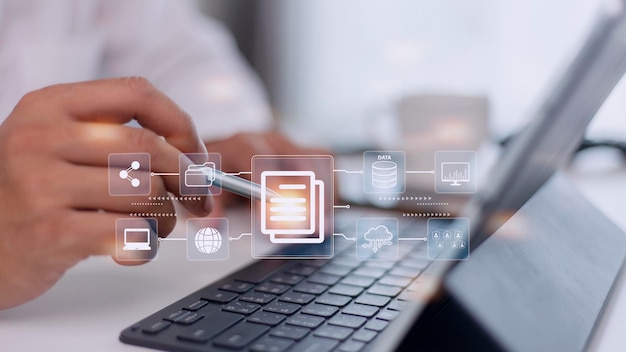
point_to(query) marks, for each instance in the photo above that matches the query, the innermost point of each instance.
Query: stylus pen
(242, 186)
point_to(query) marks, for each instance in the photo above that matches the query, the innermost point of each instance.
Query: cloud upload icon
(377, 237)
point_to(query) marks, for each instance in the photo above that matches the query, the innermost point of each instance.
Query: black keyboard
(340, 304)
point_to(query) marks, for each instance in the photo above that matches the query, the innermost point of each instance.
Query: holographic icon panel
(136, 239)
(456, 172)
(384, 172)
(377, 239)
(207, 239)
(129, 174)
(294, 217)
(448, 239)
(198, 172)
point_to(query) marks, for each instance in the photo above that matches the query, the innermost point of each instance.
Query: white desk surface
(94, 301)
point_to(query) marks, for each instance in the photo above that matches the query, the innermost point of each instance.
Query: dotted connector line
(174, 198)
(146, 203)
(405, 198)
(151, 215)
(427, 215)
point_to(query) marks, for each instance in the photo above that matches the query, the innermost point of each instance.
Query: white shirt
(189, 57)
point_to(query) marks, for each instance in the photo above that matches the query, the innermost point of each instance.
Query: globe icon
(208, 240)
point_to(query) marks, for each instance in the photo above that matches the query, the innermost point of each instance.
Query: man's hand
(55, 209)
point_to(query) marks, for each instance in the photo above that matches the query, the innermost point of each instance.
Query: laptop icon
(137, 239)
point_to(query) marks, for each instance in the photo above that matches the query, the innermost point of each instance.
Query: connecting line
(432, 172)
(349, 172)
(344, 236)
(237, 173)
(347, 206)
(239, 237)
(172, 239)
(164, 174)
(413, 239)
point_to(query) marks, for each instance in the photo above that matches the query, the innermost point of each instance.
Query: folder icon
(201, 175)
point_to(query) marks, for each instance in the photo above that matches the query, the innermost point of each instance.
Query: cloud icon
(379, 232)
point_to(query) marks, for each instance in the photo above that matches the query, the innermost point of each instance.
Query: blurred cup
(429, 123)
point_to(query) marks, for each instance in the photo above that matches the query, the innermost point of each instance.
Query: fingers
(92, 143)
(123, 99)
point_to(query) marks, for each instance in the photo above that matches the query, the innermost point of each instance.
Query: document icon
(296, 216)
(201, 175)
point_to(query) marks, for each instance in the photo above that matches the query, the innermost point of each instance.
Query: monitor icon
(296, 216)
(455, 173)
(137, 239)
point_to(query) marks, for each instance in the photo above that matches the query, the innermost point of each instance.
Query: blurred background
(332, 68)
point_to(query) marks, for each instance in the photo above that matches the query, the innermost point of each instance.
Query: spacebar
(258, 271)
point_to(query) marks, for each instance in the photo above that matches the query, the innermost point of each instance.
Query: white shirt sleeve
(191, 58)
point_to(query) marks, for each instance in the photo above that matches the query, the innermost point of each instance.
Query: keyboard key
(376, 325)
(333, 300)
(306, 321)
(190, 318)
(282, 308)
(355, 280)
(298, 298)
(219, 296)
(214, 323)
(346, 290)
(406, 272)
(315, 344)
(387, 315)
(385, 265)
(318, 263)
(176, 315)
(397, 305)
(196, 305)
(257, 297)
(314, 289)
(415, 263)
(287, 279)
(364, 335)
(351, 346)
(349, 321)
(240, 335)
(238, 287)
(374, 273)
(383, 290)
(241, 307)
(269, 287)
(260, 271)
(197, 335)
(302, 270)
(320, 310)
(395, 281)
(348, 260)
(269, 344)
(290, 332)
(360, 310)
(324, 279)
(373, 300)
(156, 327)
(333, 332)
(334, 269)
(266, 318)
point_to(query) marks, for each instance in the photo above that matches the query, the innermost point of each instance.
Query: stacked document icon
(201, 175)
(296, 216)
